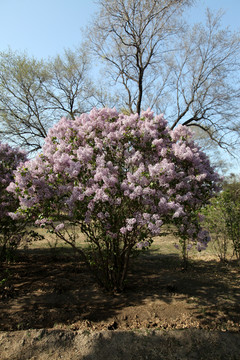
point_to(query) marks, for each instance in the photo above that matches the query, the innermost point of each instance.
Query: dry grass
(161, 245)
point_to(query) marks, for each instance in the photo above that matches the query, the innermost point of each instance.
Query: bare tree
(35, 94)
(22, 104)
(204, 81)
(191, 74)
(69, 90)
(131, 36)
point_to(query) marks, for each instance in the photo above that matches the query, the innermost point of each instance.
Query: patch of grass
(162, 245)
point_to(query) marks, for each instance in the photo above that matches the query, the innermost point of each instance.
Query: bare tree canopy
(70, 90)
(22, 104)
(35, 94)
(156, 60)
(131, 36)
(205, 83)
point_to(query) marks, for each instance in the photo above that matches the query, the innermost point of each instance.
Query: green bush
(222, 218)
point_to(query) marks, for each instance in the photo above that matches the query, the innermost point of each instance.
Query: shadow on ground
(58, 292)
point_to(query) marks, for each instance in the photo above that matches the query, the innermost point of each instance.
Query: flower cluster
(124, 175)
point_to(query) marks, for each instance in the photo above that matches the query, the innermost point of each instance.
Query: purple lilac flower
(59, 227)
(129, 171)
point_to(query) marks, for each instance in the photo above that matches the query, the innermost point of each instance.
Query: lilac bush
(10, 158)
(118, 178)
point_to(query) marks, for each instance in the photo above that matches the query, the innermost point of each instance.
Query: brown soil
(60, 296)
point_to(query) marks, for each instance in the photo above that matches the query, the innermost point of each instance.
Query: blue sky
(44, 28)
(231, 8)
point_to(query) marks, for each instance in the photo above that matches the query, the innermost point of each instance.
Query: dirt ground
(51, 308)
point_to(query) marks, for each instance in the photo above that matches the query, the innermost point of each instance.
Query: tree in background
(131, 37)
(23, 107)
(34, 93)
(231, 198)
(189, 73)
(205, 84)
(69, 91)
(117, 178)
